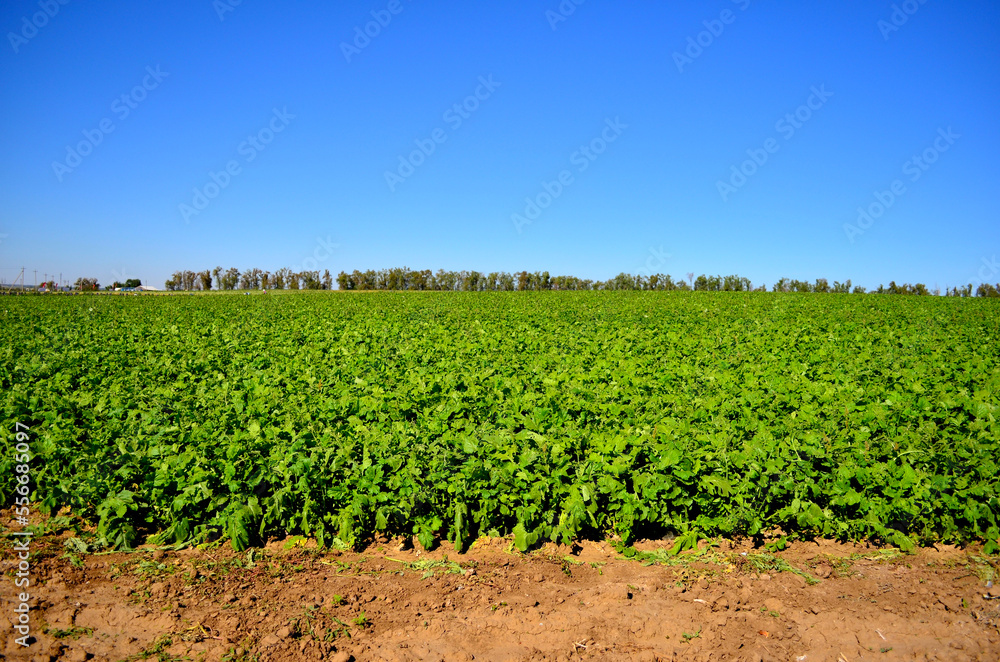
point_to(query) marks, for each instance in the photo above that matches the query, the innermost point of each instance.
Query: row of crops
(549, 416)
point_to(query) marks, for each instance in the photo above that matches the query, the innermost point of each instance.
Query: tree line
(251, 279)
(524, 281)
(398, 279)
(501, 281)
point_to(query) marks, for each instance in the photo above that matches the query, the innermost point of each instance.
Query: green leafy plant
(549, 416)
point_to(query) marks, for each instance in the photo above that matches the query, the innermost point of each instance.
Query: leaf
(522, 539)
(76, 545)
(902, 541)
(426, 538)
(236, 528)
(684, 542)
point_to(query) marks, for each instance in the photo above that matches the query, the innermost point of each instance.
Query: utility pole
(36, 279)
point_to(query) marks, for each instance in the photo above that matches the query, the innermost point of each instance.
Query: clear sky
(120, 119)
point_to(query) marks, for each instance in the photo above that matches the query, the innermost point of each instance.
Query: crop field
(548, 416)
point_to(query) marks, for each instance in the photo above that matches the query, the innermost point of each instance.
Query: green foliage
(74, 632)
(545, 416)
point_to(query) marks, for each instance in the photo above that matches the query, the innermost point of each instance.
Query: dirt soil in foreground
(289, 601)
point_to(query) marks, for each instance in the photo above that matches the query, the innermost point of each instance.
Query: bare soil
(813, 601)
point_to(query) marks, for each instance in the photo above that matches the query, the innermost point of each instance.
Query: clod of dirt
(269, 641)
(951, 602)
(77, 655)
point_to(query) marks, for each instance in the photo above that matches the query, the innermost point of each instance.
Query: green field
(547, 415)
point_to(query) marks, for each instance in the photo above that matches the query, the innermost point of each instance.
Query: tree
(919, 289)
(622, 281)
(364, 280)
(445, 280)
(471, 281)
(310, 280)
(86, 284)
(736, 284)
(800, 286)
(231, 278)
(327, 280)
(205, 277)
(987, 290)
(250, 280)
(842, 288)
(217, 274)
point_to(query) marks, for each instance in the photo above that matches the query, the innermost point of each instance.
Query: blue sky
(310, 128)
